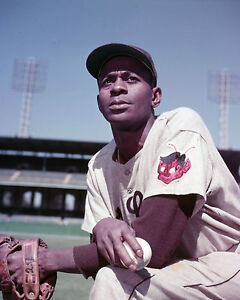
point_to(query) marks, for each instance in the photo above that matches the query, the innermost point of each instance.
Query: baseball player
(160, 179)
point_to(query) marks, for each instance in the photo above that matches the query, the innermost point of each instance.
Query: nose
(118, 87)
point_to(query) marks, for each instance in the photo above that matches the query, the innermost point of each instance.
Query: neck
(129, 143)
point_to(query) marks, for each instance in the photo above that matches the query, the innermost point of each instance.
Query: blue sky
(187, 39)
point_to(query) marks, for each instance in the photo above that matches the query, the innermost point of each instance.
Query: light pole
(29, 77)
(223, 88)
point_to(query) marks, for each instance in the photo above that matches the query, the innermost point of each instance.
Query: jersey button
(127, 172)
(129, 190)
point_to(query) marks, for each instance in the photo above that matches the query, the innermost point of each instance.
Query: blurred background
(50, 125)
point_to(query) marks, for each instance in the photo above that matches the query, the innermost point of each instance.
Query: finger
(129, 236)
(132, 231)
(17, 281)
(123, 255)
(107, 250)
(105, 254)
(135, 246)
(111, 255)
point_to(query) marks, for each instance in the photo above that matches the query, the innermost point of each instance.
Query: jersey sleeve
(181, 167)
(95, 207)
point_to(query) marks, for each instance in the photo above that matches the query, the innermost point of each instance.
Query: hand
(109, 235)
(15, 266)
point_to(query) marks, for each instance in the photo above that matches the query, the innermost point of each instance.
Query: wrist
(47, 261)
(57, 260)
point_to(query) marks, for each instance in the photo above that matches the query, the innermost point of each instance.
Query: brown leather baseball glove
(32, 289)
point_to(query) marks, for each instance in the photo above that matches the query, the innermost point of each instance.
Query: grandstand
(44, 177)
(48, 177)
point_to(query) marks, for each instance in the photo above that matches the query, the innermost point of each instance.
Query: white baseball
(147, 254)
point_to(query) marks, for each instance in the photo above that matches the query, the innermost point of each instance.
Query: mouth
(118, 105)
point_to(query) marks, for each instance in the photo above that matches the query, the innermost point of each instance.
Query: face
(126, 97)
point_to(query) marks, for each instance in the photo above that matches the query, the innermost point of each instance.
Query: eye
(106, 82)
(132, 79)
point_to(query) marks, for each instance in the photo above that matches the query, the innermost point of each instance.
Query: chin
(118, 117)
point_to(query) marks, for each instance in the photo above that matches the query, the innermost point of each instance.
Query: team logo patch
(173, 166)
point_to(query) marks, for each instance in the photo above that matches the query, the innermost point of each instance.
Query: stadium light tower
(223, 88)
(29, 77)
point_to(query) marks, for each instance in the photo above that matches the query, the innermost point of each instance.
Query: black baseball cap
(98, 57)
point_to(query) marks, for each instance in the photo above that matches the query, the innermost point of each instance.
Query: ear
(99, 103)
(156, 96)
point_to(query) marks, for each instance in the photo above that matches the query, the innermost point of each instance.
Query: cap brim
(98, 57)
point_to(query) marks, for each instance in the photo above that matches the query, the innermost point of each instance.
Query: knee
(105, 274)
(105, 285)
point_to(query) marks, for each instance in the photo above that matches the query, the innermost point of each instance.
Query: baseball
(147, 254)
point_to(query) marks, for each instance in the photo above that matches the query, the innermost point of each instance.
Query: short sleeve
(95, 207)
(181, 167)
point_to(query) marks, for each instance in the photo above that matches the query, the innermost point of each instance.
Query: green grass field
(69, 286)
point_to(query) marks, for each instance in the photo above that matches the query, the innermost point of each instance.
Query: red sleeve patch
(173, 166)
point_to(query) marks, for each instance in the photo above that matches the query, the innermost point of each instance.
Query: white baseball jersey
(178, 158)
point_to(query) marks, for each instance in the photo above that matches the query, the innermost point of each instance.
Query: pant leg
(121, 284)
(215, 276)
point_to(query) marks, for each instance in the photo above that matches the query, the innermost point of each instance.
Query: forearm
(84, 260)
(57, 260)
(88, 259)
